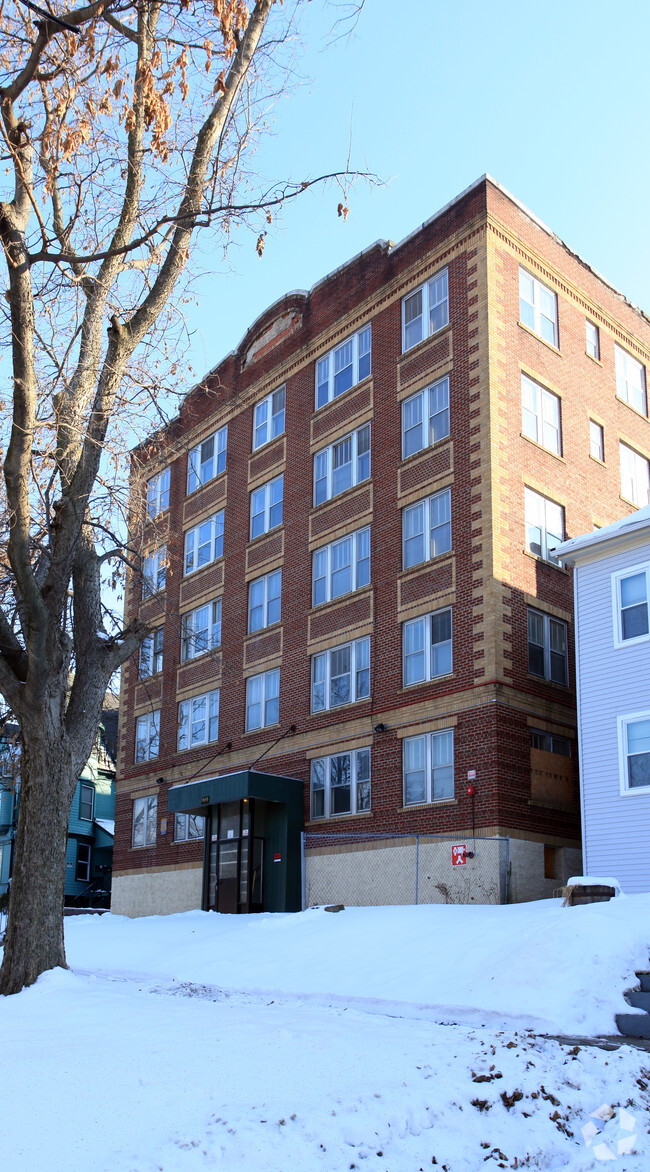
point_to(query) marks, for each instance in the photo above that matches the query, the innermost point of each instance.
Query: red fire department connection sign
(459, 855)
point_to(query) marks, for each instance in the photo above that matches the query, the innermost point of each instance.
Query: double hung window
(341, 567)
(343, 367)
(596, 441)
(151, 653)
(188, 827)
(154, 570)
(630, 380)
(201, 630)
(634, 749)
(429, 767)
(547, 647)
(425, 418)
(198, 720)
(145, 819)
(268, 418)
(427, 645)
(147, 736)
(158, 494)
(340, 675)
(340, 784)
(631, 597)
(263, 700)
(264, 595)
(82, 871)
(426, 529)
(544, 523)
(426, 311)
(538, 307)
(342, 465)
(204, 543)
(635, 476)
(592, 339)
(207, 460)
(540, 415)
(266, 507)
(87, 802)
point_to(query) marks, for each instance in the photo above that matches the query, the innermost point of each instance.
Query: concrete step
(638, 998)
(645, 981)
(633, 1025)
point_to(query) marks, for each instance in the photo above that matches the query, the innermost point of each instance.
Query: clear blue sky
(551, 99)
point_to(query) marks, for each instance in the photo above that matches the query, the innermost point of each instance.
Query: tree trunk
(34, 940)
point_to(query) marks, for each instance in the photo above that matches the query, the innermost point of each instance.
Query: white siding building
(612, 637)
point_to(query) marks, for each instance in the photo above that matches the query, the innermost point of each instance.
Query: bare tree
(126, 127)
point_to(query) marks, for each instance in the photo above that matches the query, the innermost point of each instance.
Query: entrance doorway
(236, 856)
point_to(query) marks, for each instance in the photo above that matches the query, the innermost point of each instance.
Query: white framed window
(82, 871)
(268, 418)
(340, 784)
(425, 417)
(544, 523)
(201, 630)
(428, 767)
(596, 441)
(188, 827)
(427, 647)
(147, 736)
(87, 802)
(634, 751)
(154, 571)
(158, 494)
(538, 307)
(425, 311)
(340, 675)
(635, 476)
(207, 460)
(342, 567)
(198, 720)
(540, 415)
(151, 653)
(342, 465)
(266, 507)
(547, 647)
(550, 742)
(145, 820)
(631, 601)
(263, 700)
(204, 543)
(592, 339)
(426, 529)
(630, 380)
(264, 601)
(343, 367)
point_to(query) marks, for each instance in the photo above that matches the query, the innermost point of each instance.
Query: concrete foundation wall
(157, 893)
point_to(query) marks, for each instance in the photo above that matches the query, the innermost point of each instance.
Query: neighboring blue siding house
(612, 638)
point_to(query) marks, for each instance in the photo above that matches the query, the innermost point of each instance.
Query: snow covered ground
(379, 1039)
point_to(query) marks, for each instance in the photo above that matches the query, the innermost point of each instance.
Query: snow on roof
(632, 524)
(107, 824)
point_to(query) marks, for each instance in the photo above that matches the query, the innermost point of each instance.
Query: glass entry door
(235, 880)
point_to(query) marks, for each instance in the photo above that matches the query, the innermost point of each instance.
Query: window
(547, 647)
(425, 418)
(426, 311)
(151, 654)
(592, 336)
(147, 734)
(426, 529)
(201, 630)
(340, 784)
(538, 307)
(266, 507)
(544, 523)
(158, 494)
(207, 460)
(86, 802)
(154, 568)
(342, 465)
(341, 567)
(631, 591)
(429, 768)
(264, 601)
(145, 818)
(263, 700)
(343, 367)
(540, 415)
(268, 418)
(204, 543)
(635, 476)
(550, 742)
(82, 873)
(596, 441)
(630, 380)
(634, 742)
(427, 647)
(198, 720)
(188, 827)
(340, 675)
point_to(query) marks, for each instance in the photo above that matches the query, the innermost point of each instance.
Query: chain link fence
(373, 870)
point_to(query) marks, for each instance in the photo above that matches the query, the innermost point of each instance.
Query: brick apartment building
(345, 540)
